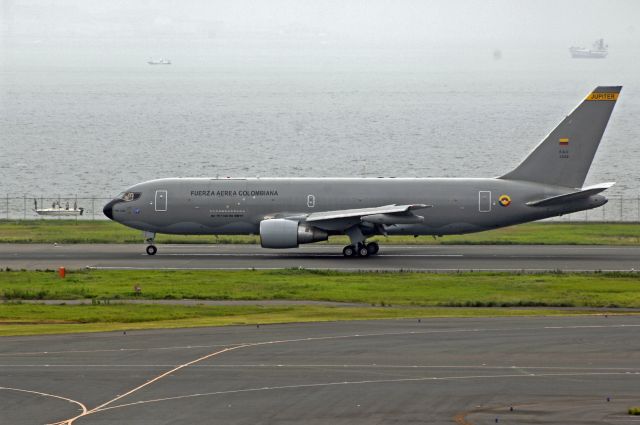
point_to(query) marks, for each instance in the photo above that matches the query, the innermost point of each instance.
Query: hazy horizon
(501, 23)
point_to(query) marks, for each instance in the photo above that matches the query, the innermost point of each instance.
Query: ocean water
(71, 127)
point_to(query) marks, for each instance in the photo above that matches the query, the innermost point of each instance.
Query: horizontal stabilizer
(361, 212)
(583, 193)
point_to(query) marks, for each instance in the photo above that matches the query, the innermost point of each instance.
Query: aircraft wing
(387, 214)
(585, 192)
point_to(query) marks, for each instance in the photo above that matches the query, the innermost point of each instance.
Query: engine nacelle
(282, 233)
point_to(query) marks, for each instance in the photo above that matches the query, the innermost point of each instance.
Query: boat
(58, 210)
(598, 50)
(160, 61)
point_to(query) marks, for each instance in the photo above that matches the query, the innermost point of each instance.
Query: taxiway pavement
(568, 370)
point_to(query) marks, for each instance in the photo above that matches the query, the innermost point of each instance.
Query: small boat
(599, 50)
(58, 210)
(160, 61)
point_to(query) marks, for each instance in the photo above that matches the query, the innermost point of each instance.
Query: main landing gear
(362, 250)
(359, 247)
(149, 237)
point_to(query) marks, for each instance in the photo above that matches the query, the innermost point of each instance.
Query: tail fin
(563, 158)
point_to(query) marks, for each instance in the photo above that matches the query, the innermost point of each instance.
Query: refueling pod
(283, 233)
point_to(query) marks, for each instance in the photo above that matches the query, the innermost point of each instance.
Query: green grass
(372, 288)
(27, 319)
(102, 231)
(634, 411)
(383, 295)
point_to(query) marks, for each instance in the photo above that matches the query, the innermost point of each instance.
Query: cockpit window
(129, 196)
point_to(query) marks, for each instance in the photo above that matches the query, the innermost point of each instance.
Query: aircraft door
(311, 201)
(484, 201)
(161, 200)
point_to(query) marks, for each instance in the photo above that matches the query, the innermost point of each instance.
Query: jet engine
(282, 233)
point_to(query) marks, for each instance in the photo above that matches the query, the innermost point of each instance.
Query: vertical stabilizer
(563, 158)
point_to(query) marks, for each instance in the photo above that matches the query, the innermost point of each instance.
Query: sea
(86, 123)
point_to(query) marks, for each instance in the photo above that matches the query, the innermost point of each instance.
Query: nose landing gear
(149, 237)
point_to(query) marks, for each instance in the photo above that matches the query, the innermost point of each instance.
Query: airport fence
(620, 208)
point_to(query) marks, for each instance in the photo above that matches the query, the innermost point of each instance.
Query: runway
(436, 371)
(391, 257)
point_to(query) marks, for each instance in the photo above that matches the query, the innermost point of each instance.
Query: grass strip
(28, 319)
(374, 288)
(103, 231)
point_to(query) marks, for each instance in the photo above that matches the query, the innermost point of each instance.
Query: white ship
(58, 210)
(599, 50)
(160, 61)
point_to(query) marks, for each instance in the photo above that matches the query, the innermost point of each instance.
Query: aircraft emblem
(504, 200)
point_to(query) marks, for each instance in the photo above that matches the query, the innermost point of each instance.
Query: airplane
(287, 212)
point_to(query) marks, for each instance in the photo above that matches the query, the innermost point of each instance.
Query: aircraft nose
(108, 209)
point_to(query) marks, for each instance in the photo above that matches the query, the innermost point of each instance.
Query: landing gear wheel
(349, 251)
(373, 248)
(363, 251)
(151, 249)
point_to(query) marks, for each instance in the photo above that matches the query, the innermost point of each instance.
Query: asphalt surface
(557, 370)
(436, 258)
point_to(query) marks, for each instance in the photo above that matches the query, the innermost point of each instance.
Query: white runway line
(369, 269)
(117, 350)
(628, 370)
(364, 382)
(393, 246)
(377, 334)
(293, 255)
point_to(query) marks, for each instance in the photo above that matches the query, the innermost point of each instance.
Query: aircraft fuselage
(230, 206)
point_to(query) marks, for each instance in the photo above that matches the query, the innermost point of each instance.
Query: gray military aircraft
(286, 212)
